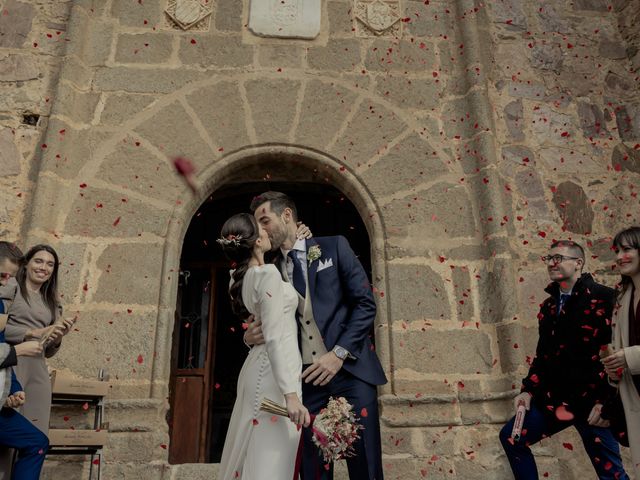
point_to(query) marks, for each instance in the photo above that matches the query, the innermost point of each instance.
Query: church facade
(449, 140)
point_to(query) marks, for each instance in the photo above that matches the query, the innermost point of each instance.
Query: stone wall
(33, 37)
(628, 17)
(469, 140)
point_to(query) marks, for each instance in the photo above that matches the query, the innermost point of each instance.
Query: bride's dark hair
(237, 238)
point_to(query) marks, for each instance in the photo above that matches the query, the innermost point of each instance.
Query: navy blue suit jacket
(343, 306)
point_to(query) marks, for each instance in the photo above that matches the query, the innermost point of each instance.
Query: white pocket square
(326, 264)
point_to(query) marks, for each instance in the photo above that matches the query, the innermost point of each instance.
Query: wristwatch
(341, 353)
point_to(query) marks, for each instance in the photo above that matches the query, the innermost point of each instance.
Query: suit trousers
(19, 433)
(367, 462)
(599, 443)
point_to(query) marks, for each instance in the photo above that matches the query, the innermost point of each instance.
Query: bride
(259, 445)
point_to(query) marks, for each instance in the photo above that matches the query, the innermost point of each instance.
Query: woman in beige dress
(623, 366)
(34, 308)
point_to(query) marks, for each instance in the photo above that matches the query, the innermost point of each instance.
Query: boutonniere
(314, 253)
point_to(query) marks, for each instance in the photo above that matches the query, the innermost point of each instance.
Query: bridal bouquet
(335, 428)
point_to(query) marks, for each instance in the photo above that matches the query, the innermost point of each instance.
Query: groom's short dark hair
(279, 201)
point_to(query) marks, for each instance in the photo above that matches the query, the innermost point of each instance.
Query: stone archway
(294, 164)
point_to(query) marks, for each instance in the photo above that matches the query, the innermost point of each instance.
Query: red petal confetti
(567, 445)
(183, 166)
(85, 406)
(140, 359)
(255, 421)
(364, 413)
(116, 222)
(163, 446)
(563, 414)
(186, 170)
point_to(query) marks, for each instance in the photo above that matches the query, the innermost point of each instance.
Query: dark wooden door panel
(187, 420)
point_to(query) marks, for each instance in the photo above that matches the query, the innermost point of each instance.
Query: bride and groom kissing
(314, 309)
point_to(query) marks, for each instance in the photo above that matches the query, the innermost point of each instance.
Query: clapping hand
(31, 348)
(16, 400)
(523, 398)
(595, 419)
(41, 333)
(67, 324)
(614, 364)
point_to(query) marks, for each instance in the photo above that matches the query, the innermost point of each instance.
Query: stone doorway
(208, 351)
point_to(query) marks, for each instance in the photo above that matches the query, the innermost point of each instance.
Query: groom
(335, 314)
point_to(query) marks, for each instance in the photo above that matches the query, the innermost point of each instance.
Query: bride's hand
(298, 413)
(303, 232)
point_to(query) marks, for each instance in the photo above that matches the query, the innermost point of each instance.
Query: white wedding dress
(261, 446)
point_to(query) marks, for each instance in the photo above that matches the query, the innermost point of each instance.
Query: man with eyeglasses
(566, 385)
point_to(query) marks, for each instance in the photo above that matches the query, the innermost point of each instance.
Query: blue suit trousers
(367, 462)
(19, 433)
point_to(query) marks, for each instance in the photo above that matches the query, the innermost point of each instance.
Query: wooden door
(193, 352)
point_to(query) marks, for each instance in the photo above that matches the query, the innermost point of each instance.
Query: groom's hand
(323, 369)
(253, 334)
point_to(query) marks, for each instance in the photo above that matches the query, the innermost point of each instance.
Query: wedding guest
(35, 307)
(566, 385)
(16, 431)
(10, 259)
(623, 366)
(256, 446)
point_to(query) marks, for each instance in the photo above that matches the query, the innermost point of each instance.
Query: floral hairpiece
(230, 240)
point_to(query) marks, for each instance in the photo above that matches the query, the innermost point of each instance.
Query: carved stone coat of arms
(377, 18)
(189, 14)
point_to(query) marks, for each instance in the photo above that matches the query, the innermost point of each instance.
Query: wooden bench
(82, 393)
